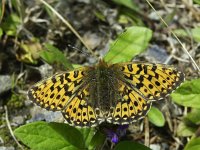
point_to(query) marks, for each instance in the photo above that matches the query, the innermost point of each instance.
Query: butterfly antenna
(73, 47)
(70, 27)
(184, 49)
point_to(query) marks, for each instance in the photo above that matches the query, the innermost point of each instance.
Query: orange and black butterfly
(119, 93)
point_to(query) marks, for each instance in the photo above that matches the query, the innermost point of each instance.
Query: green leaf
(195, 33)
(88, 134)
(194, 116)
(1, 32)
(185, 130)
(156, 117)
(97, 140)
(42, 135)
(53, 55)
(0, 10)
(197, 1)
(11, 24)
(188, 94)
(190, 123)
(193, 144)
(99, 15)
(129, 44)
(127, 145)
(127, 3)
(169, 18)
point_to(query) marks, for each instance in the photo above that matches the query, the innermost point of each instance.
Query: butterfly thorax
(102, 87)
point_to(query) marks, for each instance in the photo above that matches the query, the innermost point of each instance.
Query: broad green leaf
(188, 94)
(42, 135)
(70, 134)
(127, 145)
(185, 130)
(193, 144)
(129, 44)
(156, 117)
(195, 33)
(127, 3)
(53, 55)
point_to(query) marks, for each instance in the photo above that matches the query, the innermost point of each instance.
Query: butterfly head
(102, 63)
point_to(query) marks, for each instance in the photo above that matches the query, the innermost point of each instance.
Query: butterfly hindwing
(79, 112)
(130, 107)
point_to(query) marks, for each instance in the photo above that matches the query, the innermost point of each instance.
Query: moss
(16, 101)
(6, 137)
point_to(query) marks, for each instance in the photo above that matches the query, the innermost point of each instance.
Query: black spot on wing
(66, 77)
(76, 73)
(130, 68)
(53, 79)
(130, 76)
(140, 68)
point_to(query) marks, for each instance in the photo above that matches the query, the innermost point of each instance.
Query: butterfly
(120, 93)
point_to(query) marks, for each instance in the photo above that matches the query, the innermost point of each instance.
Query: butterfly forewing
(154, 81)
(55, 92)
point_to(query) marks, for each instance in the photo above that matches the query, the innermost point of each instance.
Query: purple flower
(114, 134)
(114, 138)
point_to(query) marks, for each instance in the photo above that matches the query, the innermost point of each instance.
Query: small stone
(19, 120)
(92, 40)
(154, 16)
(1, 141)
(28, 103)
(39, 114)
(6, 83)
(155, 147)
(7, 148)
(156, 54)
(45, 70)
(84, 1)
